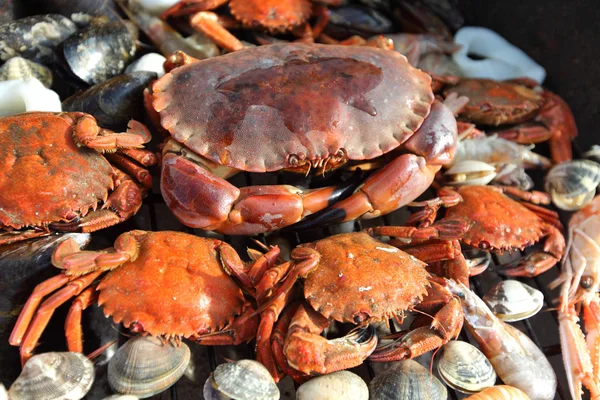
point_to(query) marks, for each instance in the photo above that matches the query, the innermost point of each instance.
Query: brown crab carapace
(62, 172)
(301, 108)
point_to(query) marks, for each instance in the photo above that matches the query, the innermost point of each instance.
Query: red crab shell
(263, 109)
(273, 15)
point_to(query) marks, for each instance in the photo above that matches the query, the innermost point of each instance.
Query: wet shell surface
(463, 367)
(67, 376)
(17, 96)
(406, 380)
(573, 184)
(339, 385)
(500, 392)
(470, 172)
(512, 300)
(241, 380)
(144, 366)
(20, 68)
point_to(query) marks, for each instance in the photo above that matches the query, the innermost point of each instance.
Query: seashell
(102, 50)
(144, 366)
(339, 385)
(152, 62)
(121, 397)
(573, 184)
(406, 380)
(351, 20)
(18, 96)
(22, 69)
(34, 38)
(593, 153)
(470, 172)
(500, 392)
(54, 376)
(157, 7)
(241, 380)
(77, 10)
(3, 392)
(463, 367)
(513, 175)
(502, 60)
(511, 300)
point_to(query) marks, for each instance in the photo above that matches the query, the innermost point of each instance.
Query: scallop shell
(406, 380)
(144, 366)
(463, 367)
(241, 380)
(56, 376)
(470, 172)
(573, 184)
(22, 69)
(511, 300)
(339, 385)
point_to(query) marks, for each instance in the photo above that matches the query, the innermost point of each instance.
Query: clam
(152, 62)
(241, 380)
(593, 153)
(463, 367)
(470, 172)
(573, 184)
(17, 96)
(67, 376)
(121, 397)
(339, 385)
(22, 69)
(145, 366)
(511, 300)
(406, 380)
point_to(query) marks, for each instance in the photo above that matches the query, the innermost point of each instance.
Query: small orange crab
(167, 284)
(53, 176)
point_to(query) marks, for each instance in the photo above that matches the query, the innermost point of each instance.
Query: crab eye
(293, 160)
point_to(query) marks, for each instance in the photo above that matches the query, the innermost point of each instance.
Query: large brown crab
(356, 279)
(296, 107)
(166, 284)
(53, 176)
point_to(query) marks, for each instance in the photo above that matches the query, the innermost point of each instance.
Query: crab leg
(207, 23)
(73, 329)
(89, 134)
(241, 330)
(185, 7)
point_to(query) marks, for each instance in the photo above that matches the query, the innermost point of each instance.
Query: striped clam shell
(573, 184)
(511, 300)
(22, 69)
(463, 367)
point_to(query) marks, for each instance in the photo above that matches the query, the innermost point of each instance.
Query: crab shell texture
(270, 107)
(273, 15)
(44, 176)
(175, 287)
(362, 279)
(496, 221)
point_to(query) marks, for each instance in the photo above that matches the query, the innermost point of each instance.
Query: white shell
(339, 385)
(463, 367)
(470, 172)
(56, 376)
(3, 392)
(241, 380)
(121, 397)
(406, 380)
(503, 60)
(511, 300)
(144, 366)
(19, 68)
(152, 62)
(157, 7)
(18, 96)
(573, 184)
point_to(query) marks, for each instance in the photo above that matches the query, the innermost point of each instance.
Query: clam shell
(67, 376)
(593, 153)
(406, 380)
(22, 69)
(511, 300)
(17, 96)
(470, 172)
(241, 380)
(463, 367)
(339, 385)
(144, 366)
(573, 184)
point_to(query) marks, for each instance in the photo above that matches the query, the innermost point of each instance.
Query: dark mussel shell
(356, 20)
(34, 38)
(113, 102)
(102, 50)
(79, 11)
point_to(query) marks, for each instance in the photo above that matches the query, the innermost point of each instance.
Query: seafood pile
(263, 199)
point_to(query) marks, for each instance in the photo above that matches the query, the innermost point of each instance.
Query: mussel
(241, 380)
(573, 184)
(406, 380)
(23, 69)
(470, 172)
(356, 20)
(339, 385)
(511, 300)
(54, 376)
(145, 366)
(463, 367)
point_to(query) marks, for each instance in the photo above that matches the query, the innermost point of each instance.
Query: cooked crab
(296, 107)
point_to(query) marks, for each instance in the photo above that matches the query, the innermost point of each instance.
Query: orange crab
(295, 107)
(499, 223)
(53, 176)
(167, 284)
(356, 279)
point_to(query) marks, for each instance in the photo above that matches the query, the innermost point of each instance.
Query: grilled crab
(296, 107)
(166, 284)
(53, 175)
(356, 279)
